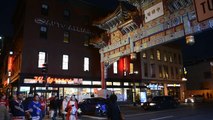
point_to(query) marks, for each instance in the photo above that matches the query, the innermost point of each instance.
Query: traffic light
(44, 68)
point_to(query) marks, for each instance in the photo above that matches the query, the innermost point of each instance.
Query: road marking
(93, 117)
(162, 118)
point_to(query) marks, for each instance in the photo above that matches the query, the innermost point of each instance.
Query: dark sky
(7, 8)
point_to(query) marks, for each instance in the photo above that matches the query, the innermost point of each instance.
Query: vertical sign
(204, 9)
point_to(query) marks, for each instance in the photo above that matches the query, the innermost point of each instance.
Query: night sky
(201, 49)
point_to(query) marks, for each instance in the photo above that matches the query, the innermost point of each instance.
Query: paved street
(199, 111)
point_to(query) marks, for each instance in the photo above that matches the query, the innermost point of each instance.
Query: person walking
(53, 107)
(114, 112)
(35, 108)
(17, 108)
(72, 107)
(4, 101)
(4, 115)
(43, 107)
(63, 108)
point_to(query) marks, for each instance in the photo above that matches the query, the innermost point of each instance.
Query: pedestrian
(53, 107)
(17, 108)
(35, 108)
(60, 101)
(43, 107)
(114, 112)
(26, 103)
(72, 107)
(64, 105)
(4, 115)
(4, 101)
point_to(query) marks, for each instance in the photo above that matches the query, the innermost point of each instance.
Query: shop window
(158, 55)
(66, 37)
(41, 59)
(65, 62)
(126, 84)
(115, 67)
(66, 14)
(87, 83)
(96, 83)
(86, 64)
(43, 32)
(116, 83)
(109, 83)
(44, 9)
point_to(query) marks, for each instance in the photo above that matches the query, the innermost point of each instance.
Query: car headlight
(142, 104)
(152, 104)
(192, 100)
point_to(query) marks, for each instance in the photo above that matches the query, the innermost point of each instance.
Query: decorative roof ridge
(121, 7)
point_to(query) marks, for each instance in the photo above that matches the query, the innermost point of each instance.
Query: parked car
(160, 102)
(94, 106)
(194, 99)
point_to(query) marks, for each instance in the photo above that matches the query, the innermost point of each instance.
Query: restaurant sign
(54, 23)
(204, 9)
(40, 79)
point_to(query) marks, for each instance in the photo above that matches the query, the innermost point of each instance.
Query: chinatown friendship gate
(131, 30)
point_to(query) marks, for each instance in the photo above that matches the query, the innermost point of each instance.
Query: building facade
(48, 54)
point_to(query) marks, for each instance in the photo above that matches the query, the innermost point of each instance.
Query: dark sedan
(160, 102)
(94, 106)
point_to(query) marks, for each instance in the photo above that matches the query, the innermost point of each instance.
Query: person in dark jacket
(17, 108)
(53, 107)
(114, 112)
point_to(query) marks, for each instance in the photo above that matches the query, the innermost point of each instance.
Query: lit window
(86, 64)
(43, 32)
(66, 37)
(131, 68)
(44, 9)
(115, 67)
(144, 54)
(165, 57)
(170, 59)
(151, 55)
(65, 62)
(41, 59)
(158, 55)
(108, 83)
(126, 84)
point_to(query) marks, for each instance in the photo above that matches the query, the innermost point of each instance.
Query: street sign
(204, 9)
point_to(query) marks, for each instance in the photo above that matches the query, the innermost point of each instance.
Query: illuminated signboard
(154, 12)
(204, 9)
(39, 79)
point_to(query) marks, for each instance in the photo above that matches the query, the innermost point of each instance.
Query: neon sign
(40, 79)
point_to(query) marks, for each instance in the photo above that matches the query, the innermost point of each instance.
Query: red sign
(10, 63)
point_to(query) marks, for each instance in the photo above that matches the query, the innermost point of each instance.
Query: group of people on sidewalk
(34, 107)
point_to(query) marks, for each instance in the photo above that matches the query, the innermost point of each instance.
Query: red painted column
(103, 82)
